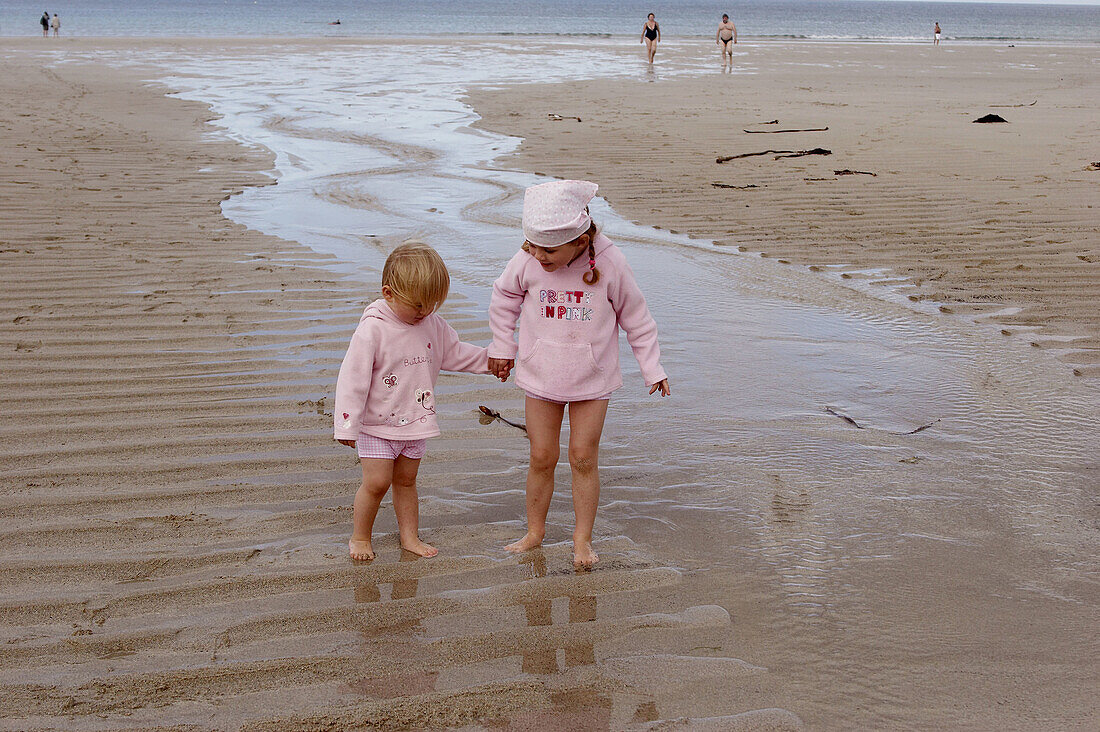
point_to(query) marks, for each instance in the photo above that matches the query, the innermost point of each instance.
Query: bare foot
(583, 555)
(419, 548)
(360, 549)
(528, 542)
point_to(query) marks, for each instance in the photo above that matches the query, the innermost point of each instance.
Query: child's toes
(360, 550)
(421, 549)
(584, 556)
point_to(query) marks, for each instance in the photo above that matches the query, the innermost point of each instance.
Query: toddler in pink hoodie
(385, 394)
(570, 308)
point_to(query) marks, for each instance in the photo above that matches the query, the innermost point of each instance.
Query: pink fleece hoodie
(386, 386)
(569, 330)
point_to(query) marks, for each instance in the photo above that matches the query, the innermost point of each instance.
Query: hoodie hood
(601, 244)
(381, 310)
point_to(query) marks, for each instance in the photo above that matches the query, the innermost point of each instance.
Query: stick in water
(778, 132)
(858, 426)
(492, 413)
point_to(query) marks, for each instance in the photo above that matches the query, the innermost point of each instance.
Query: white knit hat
(556, 213)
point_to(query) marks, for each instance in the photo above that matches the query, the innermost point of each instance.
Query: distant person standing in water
(55, 23)
(651, 36)
(936, 34)
(726, 37)
(45, 21)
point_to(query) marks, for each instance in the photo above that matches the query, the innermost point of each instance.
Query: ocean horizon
(846, 20)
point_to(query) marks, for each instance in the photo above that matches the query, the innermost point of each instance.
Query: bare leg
(377, 476)
(585, 427)
(544, 430)
(406, 506)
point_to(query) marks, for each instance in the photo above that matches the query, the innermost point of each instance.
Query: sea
(786, 19)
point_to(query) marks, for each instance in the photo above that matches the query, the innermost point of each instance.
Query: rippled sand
(974, 219)
(174, 514)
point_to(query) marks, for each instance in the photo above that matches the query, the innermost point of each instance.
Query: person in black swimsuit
(45, 21)
(726, 37)
(651, 35)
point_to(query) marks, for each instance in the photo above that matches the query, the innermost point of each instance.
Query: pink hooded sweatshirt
(386, 386)
(569, 330)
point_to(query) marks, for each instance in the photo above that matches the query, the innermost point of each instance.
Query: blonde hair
(416, 275)
(592, 276)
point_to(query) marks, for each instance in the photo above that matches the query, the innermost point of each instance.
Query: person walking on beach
(45, 22)
(651, 36)
(385, 403)
(55, 23)
(936, 34)
(726, 37)
(570, 308)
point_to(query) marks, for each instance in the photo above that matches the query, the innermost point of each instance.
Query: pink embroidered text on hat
(556, 213)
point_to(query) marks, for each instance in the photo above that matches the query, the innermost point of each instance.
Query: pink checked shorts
(370, 446)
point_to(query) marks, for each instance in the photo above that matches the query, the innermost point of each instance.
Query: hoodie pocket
(562, 368)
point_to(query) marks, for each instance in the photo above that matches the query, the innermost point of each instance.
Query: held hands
(348, 443)
(501, 367)
(666, 390)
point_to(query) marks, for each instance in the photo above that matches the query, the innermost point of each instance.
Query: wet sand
(975, 219)
(174, 514)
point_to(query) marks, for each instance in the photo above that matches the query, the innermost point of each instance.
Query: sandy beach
(920, 554)
(979, 219)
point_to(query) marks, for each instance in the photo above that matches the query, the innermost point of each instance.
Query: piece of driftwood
(740, 188)
(1015, 105)
(778, 154)
(800, 153)
(492, 414)
(858, 426)
(986, 119)
(777, 132)
(853, 172)
(559, 118)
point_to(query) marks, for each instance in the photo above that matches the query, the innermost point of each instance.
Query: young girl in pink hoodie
(385, 394)
(570, 307)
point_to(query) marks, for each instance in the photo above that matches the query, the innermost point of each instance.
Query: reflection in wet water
(400, 589)
(539, 610)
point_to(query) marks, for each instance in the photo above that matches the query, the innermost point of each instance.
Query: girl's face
(558, 257)
(650, 16)
(405, 312)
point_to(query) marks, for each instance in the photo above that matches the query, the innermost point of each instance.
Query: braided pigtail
(592, 276)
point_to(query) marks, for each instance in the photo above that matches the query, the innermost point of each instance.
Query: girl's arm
(352, 387)
(505, 306)
(456, 355)
(633, 314)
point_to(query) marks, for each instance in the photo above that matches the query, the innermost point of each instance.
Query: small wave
(530, 34)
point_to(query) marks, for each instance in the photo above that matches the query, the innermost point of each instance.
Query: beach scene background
(870, 502)
(890, 20)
